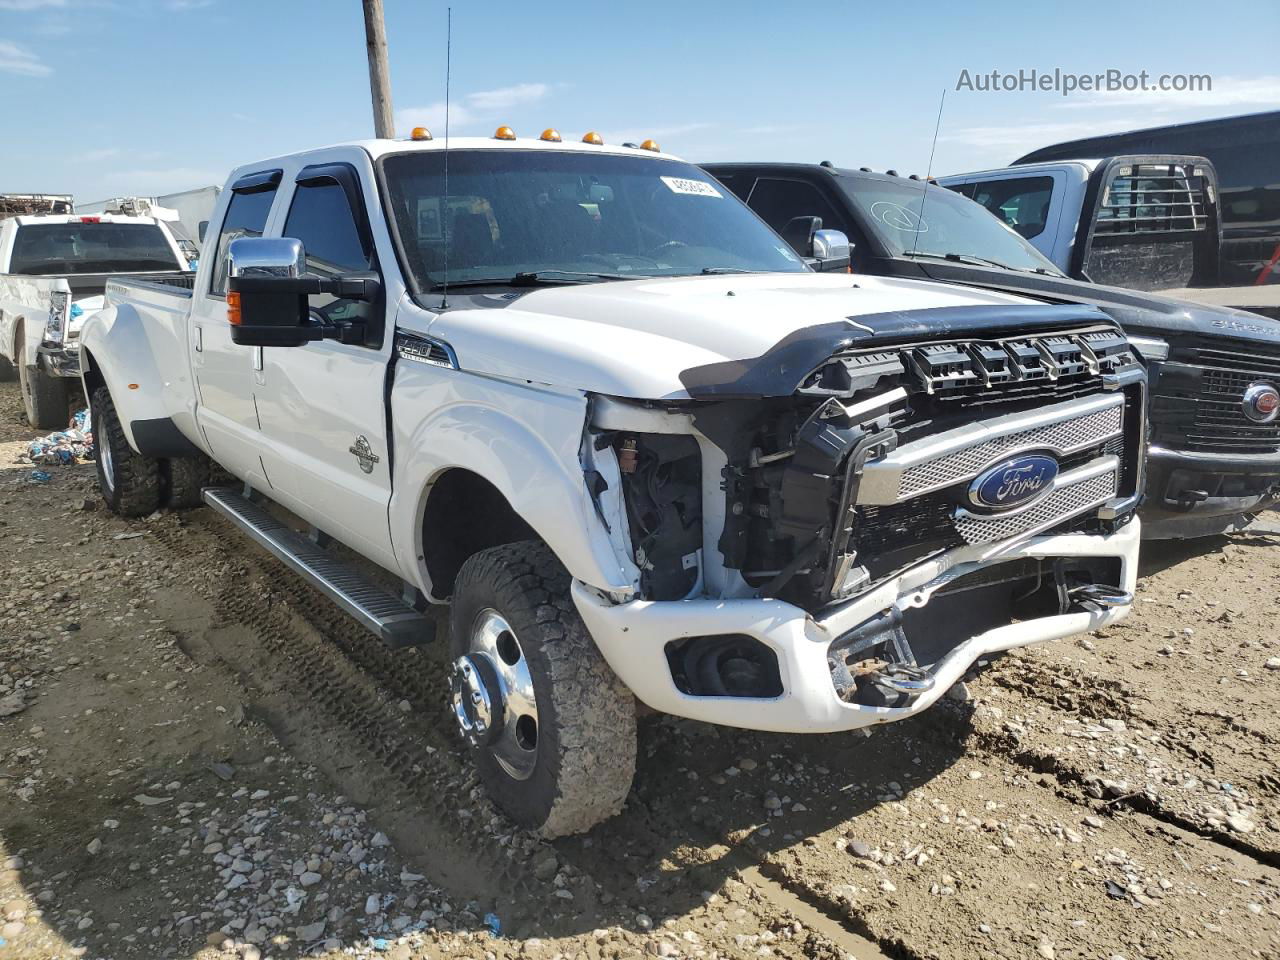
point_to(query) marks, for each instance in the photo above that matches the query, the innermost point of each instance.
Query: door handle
(199, 339)
(257, 358)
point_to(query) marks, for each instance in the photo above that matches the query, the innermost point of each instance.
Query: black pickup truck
(1214, 458)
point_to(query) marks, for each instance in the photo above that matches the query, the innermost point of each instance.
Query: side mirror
(268, 289)
(832, 250)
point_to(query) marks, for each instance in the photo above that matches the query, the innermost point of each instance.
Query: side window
(739, 183)
(246, 217)
(1021, 202)
(323, 220)
(778, 201)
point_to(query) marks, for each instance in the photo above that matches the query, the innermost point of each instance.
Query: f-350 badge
(364, 454)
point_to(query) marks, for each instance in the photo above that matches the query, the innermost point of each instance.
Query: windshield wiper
(540, 278)
(709, 271)
(958, 258)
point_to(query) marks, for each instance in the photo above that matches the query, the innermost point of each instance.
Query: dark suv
(1214, 458)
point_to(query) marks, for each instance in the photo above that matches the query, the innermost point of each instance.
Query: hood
(635, 338)
(1137, 312)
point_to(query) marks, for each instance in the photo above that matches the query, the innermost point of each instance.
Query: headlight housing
(55, 330)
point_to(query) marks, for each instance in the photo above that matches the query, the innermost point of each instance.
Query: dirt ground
(200, 758)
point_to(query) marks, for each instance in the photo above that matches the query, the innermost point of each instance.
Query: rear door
(323, 406)
(226, 373)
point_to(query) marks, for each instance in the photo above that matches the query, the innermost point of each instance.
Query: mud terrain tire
(586, 730)
(47, 399)
(184, 478)
(130, 482)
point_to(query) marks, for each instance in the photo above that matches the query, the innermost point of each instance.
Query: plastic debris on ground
(38, 477)
(63, 447)
(493, 923)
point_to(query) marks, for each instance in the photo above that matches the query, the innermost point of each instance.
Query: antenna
(927, 174)
(444, 213)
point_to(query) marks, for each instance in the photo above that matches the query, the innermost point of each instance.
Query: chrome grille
(1073, 494)
(947, 458)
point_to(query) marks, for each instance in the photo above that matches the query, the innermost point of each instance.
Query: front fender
(523, 440)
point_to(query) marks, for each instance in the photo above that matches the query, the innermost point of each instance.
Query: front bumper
(633, 636)
(1191, 494)
(59, 360)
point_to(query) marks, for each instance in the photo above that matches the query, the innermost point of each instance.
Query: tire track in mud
(1154, 764)
(339, 666)
(328, 690)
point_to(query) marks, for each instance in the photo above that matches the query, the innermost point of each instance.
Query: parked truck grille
(1218, 424)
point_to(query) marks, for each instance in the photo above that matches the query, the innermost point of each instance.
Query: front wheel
(130, 482)
(552, 727)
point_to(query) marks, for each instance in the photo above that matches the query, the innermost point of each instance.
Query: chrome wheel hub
(106, 459)
(493, 698)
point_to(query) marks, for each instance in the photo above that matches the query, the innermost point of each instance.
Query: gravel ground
(200, 758)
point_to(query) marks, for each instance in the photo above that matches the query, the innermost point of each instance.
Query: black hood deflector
(780, 370)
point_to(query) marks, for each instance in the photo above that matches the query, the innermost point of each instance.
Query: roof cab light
(420, 133)
(594, 139)
(504, 133)
(551, 135)
(651, 145)
(90, 219)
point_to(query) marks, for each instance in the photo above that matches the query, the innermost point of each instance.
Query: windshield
(948, 225)
(66, 248)
(578, 216)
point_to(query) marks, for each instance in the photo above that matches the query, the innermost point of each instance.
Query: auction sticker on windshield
(694, 188)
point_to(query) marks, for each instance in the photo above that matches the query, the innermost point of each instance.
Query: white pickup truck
(645, 450)
(53, 269)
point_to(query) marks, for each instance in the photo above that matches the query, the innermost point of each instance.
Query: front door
(322, 406)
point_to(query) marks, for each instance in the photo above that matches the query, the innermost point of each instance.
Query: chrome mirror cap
(266, 257)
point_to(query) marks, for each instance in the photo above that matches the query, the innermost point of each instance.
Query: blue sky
(116, 97)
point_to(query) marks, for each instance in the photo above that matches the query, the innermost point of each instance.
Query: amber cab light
(420, 133)
(593, 138)
(504, 133)
(651, 145)
(551, 135)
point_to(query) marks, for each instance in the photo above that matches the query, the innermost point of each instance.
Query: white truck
(645, 450)
(53, 269)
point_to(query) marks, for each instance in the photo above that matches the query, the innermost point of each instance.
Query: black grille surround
(1198, 398)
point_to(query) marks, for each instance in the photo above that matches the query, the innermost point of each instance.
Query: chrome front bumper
(633, 636)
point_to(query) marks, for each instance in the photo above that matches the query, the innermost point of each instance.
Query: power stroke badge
(1014, 482)
(364, 454)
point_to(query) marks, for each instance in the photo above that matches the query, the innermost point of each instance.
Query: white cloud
(471, 107)
(1028, 136)
(98, 155)
(148, 183)
(1226, 92)
(188, 4)
(14, 59)
(30, 4)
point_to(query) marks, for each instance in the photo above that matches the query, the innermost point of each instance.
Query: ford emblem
(1014, 482)
(1262, 403)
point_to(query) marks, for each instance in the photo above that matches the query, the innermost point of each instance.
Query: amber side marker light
(233, 308)
(420, 133)
(504, 133)
(594, 139)
(651, 145)
(551, 135)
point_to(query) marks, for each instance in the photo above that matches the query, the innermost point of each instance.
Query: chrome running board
(373, 607)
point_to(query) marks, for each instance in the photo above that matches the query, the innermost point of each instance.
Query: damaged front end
(895, 479)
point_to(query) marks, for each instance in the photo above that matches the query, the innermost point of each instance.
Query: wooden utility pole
(375, 34)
